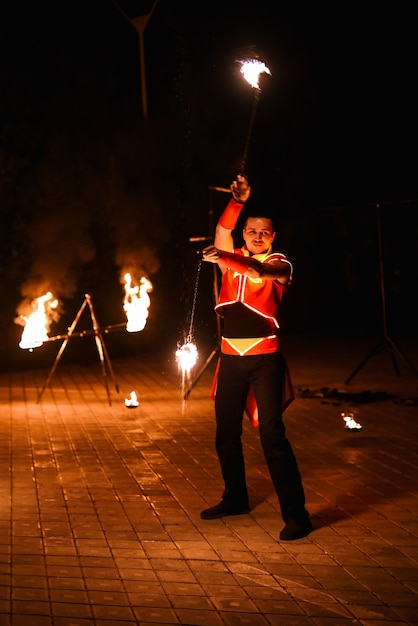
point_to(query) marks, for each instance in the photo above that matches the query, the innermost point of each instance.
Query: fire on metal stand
(35, 334)
(105, 363)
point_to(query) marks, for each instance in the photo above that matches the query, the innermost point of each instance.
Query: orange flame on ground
(132, 401)
(251, 70)
(350, 422)
(136, 303)
(37, 323)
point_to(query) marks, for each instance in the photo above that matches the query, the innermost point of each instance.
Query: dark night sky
(88, 186)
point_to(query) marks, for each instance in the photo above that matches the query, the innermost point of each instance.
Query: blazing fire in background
(37, 323)
(136, 303)
(84, 222)
(45, 309)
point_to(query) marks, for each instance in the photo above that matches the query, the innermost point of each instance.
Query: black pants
(265, 373)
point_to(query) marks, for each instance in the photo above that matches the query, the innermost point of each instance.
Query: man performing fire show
(251, 365)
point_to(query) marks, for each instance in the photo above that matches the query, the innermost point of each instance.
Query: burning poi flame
(37, 323)
(251, 70)
(187, 356)
(136, 303)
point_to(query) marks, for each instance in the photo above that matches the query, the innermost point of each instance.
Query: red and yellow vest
(261, 296)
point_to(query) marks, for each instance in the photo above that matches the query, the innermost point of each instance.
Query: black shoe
(295, 529)
(222, 510)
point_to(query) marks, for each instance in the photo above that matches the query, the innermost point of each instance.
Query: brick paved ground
(100, 504)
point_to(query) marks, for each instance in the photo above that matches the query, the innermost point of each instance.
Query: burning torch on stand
(136, 305)
(44, 311)
(36, 324)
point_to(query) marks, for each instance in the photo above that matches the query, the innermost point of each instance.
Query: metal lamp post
(140, 23)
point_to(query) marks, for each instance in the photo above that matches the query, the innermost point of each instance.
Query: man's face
(258, 234)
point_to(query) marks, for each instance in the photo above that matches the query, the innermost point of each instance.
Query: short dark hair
(261, 215)
(259, 205)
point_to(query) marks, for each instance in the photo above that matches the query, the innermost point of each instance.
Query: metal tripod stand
(385, 342)
(100, 344)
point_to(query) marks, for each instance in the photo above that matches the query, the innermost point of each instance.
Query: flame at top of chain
(187, 356)
(251, 70)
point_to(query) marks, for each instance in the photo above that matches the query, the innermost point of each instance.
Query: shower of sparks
(187, 356)
(251, 70)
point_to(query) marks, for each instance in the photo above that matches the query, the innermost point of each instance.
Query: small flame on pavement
(251, 70)
(187, 356)
(132, 401)
(350, 422)
(37, 323)
(136, 303)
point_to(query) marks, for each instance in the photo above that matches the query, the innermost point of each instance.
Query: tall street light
(140, 24)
